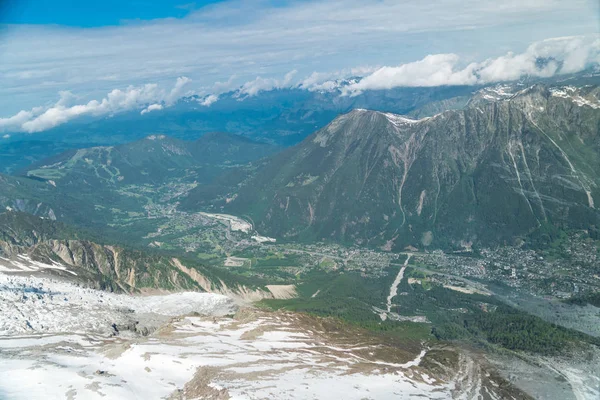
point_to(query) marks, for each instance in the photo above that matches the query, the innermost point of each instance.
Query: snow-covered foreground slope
(31, 304)
(263, 357)
(58, 343)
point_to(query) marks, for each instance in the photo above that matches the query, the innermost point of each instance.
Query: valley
(429, 257)
(299, 200)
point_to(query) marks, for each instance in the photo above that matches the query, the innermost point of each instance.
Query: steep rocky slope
(34, 245)
(493, 172)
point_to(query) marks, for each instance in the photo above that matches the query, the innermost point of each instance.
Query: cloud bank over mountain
(133, 97)
(541, 59)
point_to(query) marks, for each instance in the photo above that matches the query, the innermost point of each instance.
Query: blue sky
(82, 13)
(60, 59)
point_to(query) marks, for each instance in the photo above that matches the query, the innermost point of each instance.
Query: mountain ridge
(436, 177)
(36, 245)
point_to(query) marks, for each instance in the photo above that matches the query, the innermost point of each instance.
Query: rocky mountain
(36, 245)
(283, 117)
(494, 171)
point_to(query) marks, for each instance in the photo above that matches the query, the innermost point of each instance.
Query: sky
(62, 59)
(88, 14)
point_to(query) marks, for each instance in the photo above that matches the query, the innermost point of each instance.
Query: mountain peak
(385, 179)
(356, 122)
(364, 123)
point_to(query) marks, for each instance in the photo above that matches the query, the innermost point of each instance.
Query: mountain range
(493, 168)
(493, 172)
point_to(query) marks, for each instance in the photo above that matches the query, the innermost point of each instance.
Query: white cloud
(39, 118)
(152, 107)
(17, 120)
(177, 90)
(542, 59)
(433, 70)
(250, 39)
(209, 100)
(252, 88)
(223, 87)
(327, 81)
(327, 86)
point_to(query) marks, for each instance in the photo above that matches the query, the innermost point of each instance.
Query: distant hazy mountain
(154, 159)
(500, 168)
(283, 117)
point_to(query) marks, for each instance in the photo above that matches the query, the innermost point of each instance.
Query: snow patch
(399, 121)
(571, 93)
(23, 263)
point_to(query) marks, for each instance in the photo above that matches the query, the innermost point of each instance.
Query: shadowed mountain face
(495, 171)
(26, 195)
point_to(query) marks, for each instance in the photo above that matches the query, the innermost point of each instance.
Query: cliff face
(492, 172)
(101, 266)
(32, 244)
